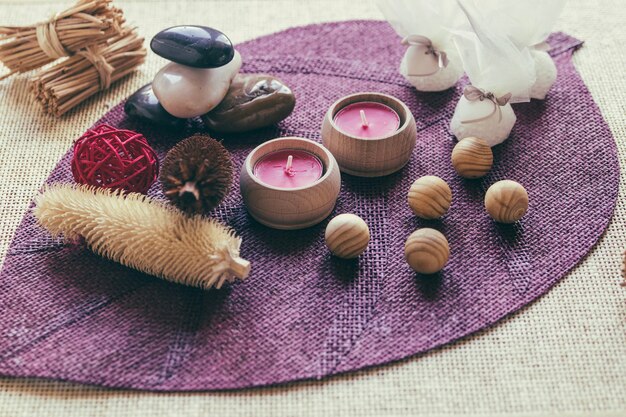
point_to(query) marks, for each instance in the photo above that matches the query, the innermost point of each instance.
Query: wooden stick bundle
(23, 48)
(68, 83)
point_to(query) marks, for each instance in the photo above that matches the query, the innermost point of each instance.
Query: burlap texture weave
(514, 375)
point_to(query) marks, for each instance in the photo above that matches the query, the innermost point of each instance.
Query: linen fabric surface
(419, 383)
(303, 313)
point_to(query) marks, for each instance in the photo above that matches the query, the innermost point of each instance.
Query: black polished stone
(143, 104)
(194, 46)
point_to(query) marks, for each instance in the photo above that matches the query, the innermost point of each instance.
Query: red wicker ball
(115, 158)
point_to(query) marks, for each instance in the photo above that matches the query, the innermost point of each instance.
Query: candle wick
(364, 121)
(288, 169)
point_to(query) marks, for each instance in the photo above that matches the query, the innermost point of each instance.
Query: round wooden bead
(347, 236)
(506, 201)
(472, 158)
(429, 197)
(426, 251)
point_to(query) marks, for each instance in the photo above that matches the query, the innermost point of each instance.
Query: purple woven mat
(69, 314)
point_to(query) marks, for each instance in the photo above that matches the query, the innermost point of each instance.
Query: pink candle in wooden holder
(289, 168)
(290, 183)
(367, 120)
(370, 134)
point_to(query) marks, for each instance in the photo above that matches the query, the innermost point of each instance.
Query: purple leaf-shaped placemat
(72, 315)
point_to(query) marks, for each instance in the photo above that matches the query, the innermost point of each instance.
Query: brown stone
(253, 101)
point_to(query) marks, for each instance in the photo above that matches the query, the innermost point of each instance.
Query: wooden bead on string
(426, 251)
(347, 236)
(506, 201)
(472, 158)
(429, 197)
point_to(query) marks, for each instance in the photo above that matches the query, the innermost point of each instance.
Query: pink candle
(289, 168)
(367, 120)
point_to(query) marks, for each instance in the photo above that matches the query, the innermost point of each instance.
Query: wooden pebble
(429, 197)
(426, 251)
(472, 158)
(347, 236)
(506, 201)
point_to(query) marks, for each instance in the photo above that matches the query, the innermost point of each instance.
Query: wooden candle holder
(370, 157)
(290, 208)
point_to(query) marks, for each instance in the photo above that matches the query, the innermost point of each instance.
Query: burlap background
(563, 355)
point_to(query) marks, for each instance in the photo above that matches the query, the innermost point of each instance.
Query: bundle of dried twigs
(23, 48)
(66, 84)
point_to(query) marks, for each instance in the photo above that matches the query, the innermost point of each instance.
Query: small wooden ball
(429, 197)
(347, 236)
(472, 158)
(506, 201)
(426, 251)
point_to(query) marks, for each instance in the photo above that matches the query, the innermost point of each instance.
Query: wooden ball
(426, 251)
(429, 197)
(506, 201)
(347, 236)
(472, 158)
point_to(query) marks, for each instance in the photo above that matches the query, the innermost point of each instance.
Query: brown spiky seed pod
(196, 174)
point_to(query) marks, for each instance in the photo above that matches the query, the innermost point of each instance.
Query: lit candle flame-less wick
(364, 121)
